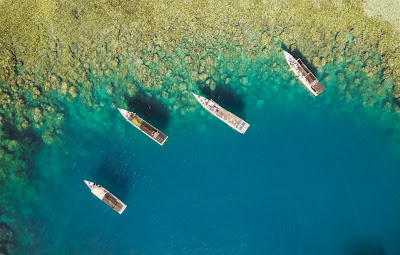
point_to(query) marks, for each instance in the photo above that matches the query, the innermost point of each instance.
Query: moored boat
(229, 118)
(304, 74)
(105, 196)
(143, 126)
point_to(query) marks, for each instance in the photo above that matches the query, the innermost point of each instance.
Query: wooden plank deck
(112, 202)
(146, 128)
(153, 132)
(229, 117)
(310, 78)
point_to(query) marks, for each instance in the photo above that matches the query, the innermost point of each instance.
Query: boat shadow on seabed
(150, 109)
(113, 175)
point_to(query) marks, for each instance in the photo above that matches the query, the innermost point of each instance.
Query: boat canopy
(114, 203)
(318, 87)
(310, 77)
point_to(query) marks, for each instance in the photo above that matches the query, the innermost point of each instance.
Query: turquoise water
(310, 176)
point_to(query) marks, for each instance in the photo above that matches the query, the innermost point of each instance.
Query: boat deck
(148, 129)
(227, 117)
(309, 77)
(114, 203)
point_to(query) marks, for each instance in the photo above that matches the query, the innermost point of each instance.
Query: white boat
(304, 75)
(105, 196)
(143, 126)
(229, 118)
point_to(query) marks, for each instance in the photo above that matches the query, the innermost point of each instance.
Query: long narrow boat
(143, 126)
(105, 196)
(229, 118)
(304, 75)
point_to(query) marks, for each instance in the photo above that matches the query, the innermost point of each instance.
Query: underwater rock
(188, 60)
(396, 91)
(387, 106)
(319, 61)
(5, 98)
(25, 124)
(203, 77)
(64, 88)
(340, 77)
(244, 80)
(182, 87)
(115, 62)
(37, 114)
(132, 89)
(194, 75)
(110, 88)
(212, 85)
(48, 136)
(72, 91)
(165, 94)
(36, 92)
(369, 102)
(107, 72)
(14, 86)
(139, 62)
(12, 146)
(348, 97)
(47, 86)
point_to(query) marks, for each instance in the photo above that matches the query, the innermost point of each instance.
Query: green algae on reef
(98, 54)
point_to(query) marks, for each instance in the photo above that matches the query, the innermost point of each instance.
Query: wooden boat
(304, 75)
(229, 118)
(143, 126)
(105, 196)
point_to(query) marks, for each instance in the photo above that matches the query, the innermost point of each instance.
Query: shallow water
(310, 176)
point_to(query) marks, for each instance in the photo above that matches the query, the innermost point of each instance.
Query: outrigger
(304, 75)
(143, 126)
(229, 118)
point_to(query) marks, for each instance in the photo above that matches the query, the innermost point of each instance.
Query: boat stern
(243, 126)
(122, 209)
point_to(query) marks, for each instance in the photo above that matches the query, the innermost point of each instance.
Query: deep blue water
(305, 179)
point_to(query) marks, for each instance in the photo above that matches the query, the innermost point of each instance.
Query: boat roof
(318, 87)
(113, 202)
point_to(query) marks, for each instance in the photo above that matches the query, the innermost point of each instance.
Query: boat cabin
(316, 86)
